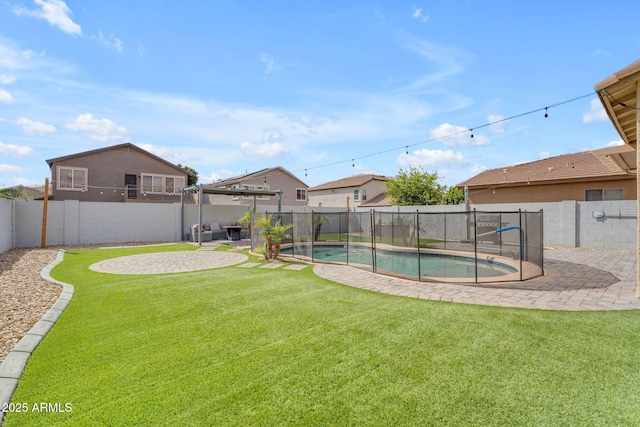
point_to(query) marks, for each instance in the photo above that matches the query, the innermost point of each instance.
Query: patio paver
(574, 280)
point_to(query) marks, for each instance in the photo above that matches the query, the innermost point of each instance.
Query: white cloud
(103, 130)
(216, 176)
(6, 97)
(6, 79)
(265, 149)
(446, 62)
(23, 181)
(166, 153)
(273, 135)
(457, 136)
(417, 13)
(425, 157)
(270, 63)
(4, 168)
(32, 127)
(140, 49)
(544, 155)
(15, 150)
(615, 143)
(111, 41)
(55, 12)
(596, 113)
(498, 123)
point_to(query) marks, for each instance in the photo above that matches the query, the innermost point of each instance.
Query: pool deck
(575, 280)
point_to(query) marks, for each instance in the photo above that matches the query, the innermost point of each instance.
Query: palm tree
(318, 220)
(246, 220)
(279, 232)
(263, 222)
(11, 193)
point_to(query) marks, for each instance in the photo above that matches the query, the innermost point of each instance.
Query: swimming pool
(405, 263)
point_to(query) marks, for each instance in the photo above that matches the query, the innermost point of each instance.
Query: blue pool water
(406, 263)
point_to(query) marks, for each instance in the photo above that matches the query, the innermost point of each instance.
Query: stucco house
(293, 190)
(119, 173)
(582, 176)
(358, 189)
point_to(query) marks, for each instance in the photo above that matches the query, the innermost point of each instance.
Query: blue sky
(229, 87)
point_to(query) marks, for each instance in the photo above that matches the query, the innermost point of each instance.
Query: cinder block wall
(568, 223)
(6, 227)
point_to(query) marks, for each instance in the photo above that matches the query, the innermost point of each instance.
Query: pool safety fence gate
(466, 247)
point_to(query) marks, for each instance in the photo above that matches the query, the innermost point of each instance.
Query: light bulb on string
(546, 114)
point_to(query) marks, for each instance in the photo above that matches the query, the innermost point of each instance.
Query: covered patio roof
(619, 96)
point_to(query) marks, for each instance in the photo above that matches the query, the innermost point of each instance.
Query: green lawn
(237, 346)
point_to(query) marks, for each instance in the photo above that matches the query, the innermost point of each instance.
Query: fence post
(373, 241)
(313, 233)
(418, 242)
(521, 237)
(475, 242)
(541, 219)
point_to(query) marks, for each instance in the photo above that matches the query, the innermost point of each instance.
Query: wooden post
(43, 240)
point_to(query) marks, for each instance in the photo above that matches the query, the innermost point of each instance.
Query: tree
(192, 178)
(454, 196)
(263, 223)
(279, 232)
(11, 193)
(415, 187)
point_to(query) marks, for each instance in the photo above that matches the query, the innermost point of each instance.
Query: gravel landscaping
(24, 296)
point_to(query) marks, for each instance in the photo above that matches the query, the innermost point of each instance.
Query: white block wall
(567, 223)
(71, 222)
(6, 226)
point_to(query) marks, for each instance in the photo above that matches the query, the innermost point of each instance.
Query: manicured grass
(237, 346)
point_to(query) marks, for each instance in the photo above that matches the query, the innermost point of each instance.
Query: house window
(604, 194)
(364, 195)
(356, 195)
(72, 179)
(301, 194)
(161, 183)
(263, 188)
(256, 187)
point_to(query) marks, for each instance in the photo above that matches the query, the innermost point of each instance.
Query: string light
(546, 114)
(455, 133)
(471, 130)
(622, 104)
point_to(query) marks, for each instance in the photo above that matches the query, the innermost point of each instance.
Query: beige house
(348, 192)
(293, 190)
(581, 176)
(119, 173)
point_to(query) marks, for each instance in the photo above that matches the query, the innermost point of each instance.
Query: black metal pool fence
(494, 246)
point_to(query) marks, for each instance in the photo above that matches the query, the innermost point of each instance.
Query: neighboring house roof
(584, 166)
(34, 193)
(378, 201)
(129, 145)
(260, 173)
(353, 181)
